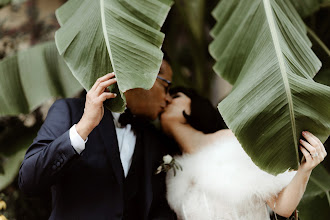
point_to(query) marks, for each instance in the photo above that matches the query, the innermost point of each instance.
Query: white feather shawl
(222, 182)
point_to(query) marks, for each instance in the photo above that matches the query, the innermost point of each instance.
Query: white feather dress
(222, 182)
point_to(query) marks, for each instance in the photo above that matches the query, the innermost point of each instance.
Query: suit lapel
(109, 137)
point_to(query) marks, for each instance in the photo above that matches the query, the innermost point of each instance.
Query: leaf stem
(320, 185)
(281, 62)
(318, 40)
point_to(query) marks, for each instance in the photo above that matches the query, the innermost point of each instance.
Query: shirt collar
(115, 119)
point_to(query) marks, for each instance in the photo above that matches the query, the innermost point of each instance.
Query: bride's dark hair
(204, 116)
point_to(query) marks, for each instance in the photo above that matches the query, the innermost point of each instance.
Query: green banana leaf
(315, 203)
(306, 8)
(98, 37)
(261, 47)
(31, 77)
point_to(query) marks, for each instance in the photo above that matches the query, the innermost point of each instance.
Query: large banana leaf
(316, 200)
(98, 37)
(306, 8)
(33, 76)
(261, 47)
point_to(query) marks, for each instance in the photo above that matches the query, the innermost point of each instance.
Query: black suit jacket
(90, 185)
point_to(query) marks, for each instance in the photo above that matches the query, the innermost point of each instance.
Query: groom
(96, 166)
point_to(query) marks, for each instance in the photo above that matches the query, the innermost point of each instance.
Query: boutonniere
(168, 163)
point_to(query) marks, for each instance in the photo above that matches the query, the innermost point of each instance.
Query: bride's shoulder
(222, 138)
(223, 134)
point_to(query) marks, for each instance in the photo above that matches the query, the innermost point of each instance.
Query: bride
(219, 180)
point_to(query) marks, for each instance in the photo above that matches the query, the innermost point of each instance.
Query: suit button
(54, 167)
(58, 164)
(61, 160)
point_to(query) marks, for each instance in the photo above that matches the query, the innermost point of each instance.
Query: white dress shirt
(126, 142)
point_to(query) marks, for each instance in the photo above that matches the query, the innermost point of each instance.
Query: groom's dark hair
(204, 116)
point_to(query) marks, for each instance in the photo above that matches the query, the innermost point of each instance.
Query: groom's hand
(94, 110)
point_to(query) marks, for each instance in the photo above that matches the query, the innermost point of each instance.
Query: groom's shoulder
(70, 102)
(72, 107)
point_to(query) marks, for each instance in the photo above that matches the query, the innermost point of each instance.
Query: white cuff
(76, 141)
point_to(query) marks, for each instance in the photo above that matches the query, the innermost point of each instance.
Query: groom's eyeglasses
(169, 83)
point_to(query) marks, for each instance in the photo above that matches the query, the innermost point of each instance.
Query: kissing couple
(101, 165)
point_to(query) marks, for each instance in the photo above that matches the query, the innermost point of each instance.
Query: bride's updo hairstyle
(204, 116)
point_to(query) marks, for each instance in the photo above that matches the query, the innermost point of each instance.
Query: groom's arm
(50, 151)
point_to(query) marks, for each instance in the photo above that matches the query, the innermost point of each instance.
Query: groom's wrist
(83, 129)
